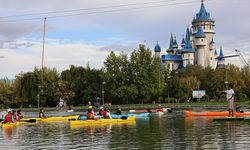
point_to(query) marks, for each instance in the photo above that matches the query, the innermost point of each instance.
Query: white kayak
(160, 113)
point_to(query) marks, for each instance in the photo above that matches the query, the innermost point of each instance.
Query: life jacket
(104, 114)
(101, 112)
(88, 116)
(8, 118)
(15, 117)
(21, 116)
(159, 109)
(42, 115)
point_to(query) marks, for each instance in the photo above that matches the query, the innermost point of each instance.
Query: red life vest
(15, 117)
(104, 114)
(8, 118)
(89, 116)
(101, 112)
(159, 109)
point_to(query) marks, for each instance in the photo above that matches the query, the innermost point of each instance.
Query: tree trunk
(127, 101)
(179, 100)
(141, 101)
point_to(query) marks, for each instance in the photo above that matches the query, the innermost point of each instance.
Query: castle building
(197, 47)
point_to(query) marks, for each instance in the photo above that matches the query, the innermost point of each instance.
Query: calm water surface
(170, 131)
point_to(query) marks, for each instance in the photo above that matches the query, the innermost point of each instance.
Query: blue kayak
(118, 116)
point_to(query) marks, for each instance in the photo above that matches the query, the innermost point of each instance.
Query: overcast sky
(91, 33)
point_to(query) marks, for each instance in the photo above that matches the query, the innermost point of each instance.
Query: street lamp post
(226, 78)
(103, 93)
(38, 97)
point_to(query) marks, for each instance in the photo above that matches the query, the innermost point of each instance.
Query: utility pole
(198, 91)
(103, 93)
(38, 97)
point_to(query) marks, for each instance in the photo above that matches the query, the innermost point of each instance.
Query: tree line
(136, 78)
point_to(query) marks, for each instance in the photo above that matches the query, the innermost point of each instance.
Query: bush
(223, 97)
(171, 100)
(242, 97)
(14, 105)
(205, 98)
(6, 104)
(184, 99)
(215, 97)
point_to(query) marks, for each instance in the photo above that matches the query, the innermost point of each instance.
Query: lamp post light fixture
(103, 93)
(38, 96)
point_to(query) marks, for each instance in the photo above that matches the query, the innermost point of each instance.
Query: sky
(79, 32)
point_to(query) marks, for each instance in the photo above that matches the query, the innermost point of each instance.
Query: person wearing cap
(159, 109)
(41, 114)
(118, 111)
(238, 109)
(9, 117)
(106, 113)
(93, 109)
(101, 111)
(19, 114)
(90, 115)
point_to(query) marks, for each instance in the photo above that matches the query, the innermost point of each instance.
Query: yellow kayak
(100, 121)
(54, 119)
(10, 125)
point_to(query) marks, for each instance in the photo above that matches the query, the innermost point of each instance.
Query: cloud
(2, 57)
(16, 46)
(120, 48)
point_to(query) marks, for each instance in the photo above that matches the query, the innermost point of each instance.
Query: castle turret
(175, 45)
(200, 43)
(215, 53)
(187, 54)
(221, 62)
(170, 50)
(211, 46)
(183, 42)
(157, 50)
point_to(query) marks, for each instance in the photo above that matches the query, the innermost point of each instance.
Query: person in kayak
(70, 107)
(118, 111)
(101, 111)
(9, 117)
(238, 109)
(230, 99)
(41, 114)
(106, 113)
(159, 109)
(19, 114)
(93, 109)
(14, 115)
(91, 116)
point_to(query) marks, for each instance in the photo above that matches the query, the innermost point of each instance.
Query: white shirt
(229, 93)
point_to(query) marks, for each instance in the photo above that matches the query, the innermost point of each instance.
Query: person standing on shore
(230, 99)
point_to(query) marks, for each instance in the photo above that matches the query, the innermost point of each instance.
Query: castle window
(203, 27)
(169, 65)
(172, 66)
(201, 40)
(210, 27)
(211, 58)
(195, 62)
(188, 55)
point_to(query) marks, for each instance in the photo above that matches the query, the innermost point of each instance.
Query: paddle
(71, 119)
(149, 110)
(31, 120)
(95, 105)
(169, 110)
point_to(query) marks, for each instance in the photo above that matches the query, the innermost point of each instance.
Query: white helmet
(8, 110)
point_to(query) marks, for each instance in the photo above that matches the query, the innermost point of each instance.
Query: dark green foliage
(205, 98)
(14, 105)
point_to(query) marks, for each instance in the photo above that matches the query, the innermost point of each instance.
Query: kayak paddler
(14, 115)
(118, 111)
(230, 99)
(9, 117)
(19, 114)
(238, 109)
(106, 113)
(159, 109)
(101, 111)
(90, 115)
(41, 114)
(93, 109)
(70, 107)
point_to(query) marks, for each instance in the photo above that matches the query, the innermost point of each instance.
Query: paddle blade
(95, 105)
(1, 120)
(124, 117)
(169, 110)
(131, 110)
(31, 120)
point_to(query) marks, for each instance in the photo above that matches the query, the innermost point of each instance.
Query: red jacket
(159, 109)
(101, 112)
(8, 118)
(88, 116)
(15, 117)
(104, 114)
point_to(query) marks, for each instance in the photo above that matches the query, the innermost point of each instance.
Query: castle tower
(221, 61)
(202, 20)
(170, 50)
(183, 42)
(200, 43)
(157, 50)
(175, 46)
(187, 54)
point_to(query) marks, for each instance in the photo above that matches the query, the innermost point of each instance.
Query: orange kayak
(212, 113)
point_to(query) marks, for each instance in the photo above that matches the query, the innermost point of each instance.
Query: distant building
(197, 47)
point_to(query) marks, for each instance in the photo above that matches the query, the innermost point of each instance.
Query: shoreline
(134, 107)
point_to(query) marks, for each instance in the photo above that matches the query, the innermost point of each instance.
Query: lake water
(170, 131)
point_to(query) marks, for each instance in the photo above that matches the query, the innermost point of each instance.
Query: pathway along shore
(135, 107)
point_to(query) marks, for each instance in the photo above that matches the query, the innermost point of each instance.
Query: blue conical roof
(215, 52)
(190, 32)
(212, 42)
(187, 35)
(189, 64)
(200, 33)
(171, 42)
(157, 48)
(175, 42)
(221, 55)
(183, 40)
(202, 14)
(187, 47)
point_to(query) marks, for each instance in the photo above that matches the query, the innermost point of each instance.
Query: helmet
(101, 107)
(41, 108)
(90, 107)
(106, 108)
(8, 110)
(118, 107)
(159, 105)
